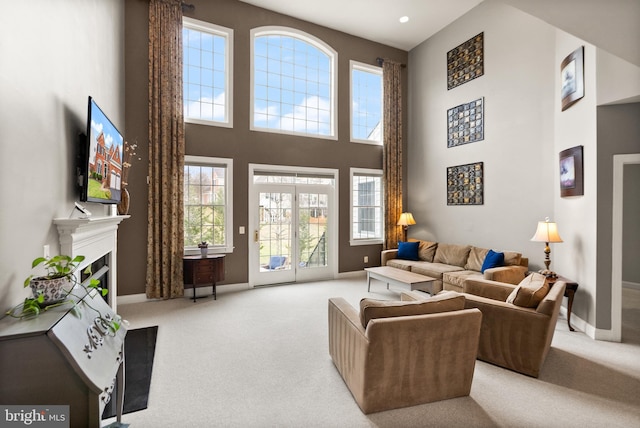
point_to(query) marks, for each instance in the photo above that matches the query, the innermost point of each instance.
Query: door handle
(256, 236)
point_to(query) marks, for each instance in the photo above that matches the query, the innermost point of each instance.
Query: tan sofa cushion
(476, 258)
(457, 278)
(530, 292)
(512, 258)
(426, 250)
(434, 270)
(451, 254)
(401, 264)
(443, 302)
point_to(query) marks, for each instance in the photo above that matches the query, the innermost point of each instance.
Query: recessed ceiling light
(404, 19)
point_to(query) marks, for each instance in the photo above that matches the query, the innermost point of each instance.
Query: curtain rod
(186, 7)
(380, 61)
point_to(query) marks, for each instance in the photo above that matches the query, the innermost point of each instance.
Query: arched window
(293, 83)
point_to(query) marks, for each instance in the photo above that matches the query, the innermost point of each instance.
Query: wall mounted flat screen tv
(102, 169)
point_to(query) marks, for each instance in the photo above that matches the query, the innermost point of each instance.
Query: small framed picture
(572, 78)
(571, 175)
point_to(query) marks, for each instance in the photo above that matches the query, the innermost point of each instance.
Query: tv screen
(103, 159)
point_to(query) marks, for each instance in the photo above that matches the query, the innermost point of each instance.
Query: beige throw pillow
(530, 292)
(442, 302)
(451, 254)
(426, 250)
(476, 258)
(512, 258)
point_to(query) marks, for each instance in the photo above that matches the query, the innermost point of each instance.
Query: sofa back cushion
(442, 302)
(512, 258)
(451, 254)
(530, 292)
(426, 250)
(476, 258)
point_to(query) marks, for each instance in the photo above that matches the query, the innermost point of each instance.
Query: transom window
(366, 206)
(207, 66)
(366, 103)
(293, 83)
(207, 203)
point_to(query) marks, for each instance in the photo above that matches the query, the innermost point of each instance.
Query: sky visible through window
(366, 104)
(292, 86)
(204, 75)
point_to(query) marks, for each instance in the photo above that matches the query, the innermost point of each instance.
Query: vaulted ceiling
(612, 25)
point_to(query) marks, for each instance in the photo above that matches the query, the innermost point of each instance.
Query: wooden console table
(203, 271)
(569, 292)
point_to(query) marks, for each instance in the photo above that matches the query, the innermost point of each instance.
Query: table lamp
(406, 220)
(547, 232)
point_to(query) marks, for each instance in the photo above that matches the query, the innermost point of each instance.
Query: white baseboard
(188, 293)
(352, 274)
(632, 285)
(132, 298)
(594, 333)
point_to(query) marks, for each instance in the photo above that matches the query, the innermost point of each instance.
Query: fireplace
(96, 238)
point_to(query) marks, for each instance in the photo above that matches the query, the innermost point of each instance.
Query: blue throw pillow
(408, 250)
(493, 259)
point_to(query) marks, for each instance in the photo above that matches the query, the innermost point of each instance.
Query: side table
(203, 271)
(569, 292)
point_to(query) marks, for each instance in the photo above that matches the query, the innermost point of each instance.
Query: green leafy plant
(61, 266)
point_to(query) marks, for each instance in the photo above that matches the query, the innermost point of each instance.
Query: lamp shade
(547, 231)
(406, 219)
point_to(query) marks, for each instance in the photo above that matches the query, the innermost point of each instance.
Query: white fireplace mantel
(93, 238)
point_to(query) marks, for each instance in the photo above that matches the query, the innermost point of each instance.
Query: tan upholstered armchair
(514, 336)
(403, 360)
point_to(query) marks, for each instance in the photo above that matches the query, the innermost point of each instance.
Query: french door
(292, 233)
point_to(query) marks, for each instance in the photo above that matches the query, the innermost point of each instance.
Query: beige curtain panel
(392, 153)
(165, 241)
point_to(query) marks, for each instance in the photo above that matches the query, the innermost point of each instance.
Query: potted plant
(204, 248)
(59, 286)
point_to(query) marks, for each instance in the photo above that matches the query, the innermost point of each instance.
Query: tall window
(207, 203)
(366, 103)
(366, 206)
(207, 76)
(293, 83)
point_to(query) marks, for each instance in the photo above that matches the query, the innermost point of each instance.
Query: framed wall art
(465, 123)
(571, 173)
(572, 78)
(465, 62)
(465, 184)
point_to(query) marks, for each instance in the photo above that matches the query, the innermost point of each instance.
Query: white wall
(519, 89)
(618, 80)
(576, 216)
(54, 55)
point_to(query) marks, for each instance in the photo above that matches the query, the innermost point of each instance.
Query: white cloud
(312, 115)
(207, 108)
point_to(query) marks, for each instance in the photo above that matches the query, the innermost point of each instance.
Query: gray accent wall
(241, 144)
(618, 133)
(631, 225)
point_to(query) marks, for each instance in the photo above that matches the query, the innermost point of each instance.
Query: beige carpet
(259, 358)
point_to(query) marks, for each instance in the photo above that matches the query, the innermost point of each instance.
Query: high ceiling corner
(376, 20)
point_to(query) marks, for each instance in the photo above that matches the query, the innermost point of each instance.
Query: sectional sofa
(452, 264)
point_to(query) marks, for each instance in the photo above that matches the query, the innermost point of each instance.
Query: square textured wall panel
(465, 62)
